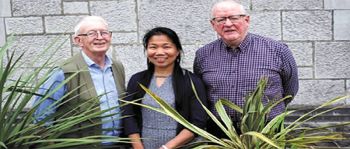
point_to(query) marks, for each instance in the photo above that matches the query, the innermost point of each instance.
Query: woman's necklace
(159, 76)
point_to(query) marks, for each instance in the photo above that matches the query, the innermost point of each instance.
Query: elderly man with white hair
(99, 76)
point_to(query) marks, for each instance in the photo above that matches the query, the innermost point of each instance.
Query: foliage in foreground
(256, 132)
(18, 128)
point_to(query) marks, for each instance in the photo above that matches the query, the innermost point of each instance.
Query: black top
(185, 100)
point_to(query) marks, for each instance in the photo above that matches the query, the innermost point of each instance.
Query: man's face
(94, 38)
(230, 23)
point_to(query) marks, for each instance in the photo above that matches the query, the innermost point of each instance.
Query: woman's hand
(136, 141)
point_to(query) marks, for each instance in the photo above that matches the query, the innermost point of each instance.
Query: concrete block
(307, 25)
(266, 23)
(24, 72)
(305, 72)
(347, 90)
(37, 49)
(5, 8)
(42, 7)
(188, 55)
(316, 92)
(342, 24)
(75, 8)
(245, 3)
(286, 4)
(348, 85)
(336, 4)
(124, 38)
(302, 52)
(121, 15)
(27, 25)
(332, 60)
(2, 32)
(61, 24)
(133, 63)
(190, 19)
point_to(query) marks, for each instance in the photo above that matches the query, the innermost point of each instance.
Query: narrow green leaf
(3, 145)
(230, 131)
(168, 110)
(231, 105)
(263, 138)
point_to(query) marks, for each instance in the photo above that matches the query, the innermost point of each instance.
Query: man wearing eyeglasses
(97, 81)
(232, 65)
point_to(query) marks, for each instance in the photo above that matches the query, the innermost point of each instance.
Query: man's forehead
(230, 7)
(89, 25)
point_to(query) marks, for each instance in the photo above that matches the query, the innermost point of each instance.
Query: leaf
(17, 125)
(168, 110)
(3, 145)
(230, 131)
(275, 121)
(263, 138)
(302, 119)
(231, 105)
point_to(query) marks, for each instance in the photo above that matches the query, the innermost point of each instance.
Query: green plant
(257, 133)
(18, 128)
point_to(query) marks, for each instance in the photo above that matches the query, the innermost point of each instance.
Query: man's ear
(77, 40)
(212, 23)
(247, 19)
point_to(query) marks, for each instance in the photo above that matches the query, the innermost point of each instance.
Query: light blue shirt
(105, 88)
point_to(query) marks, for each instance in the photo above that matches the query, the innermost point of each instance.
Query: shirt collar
(242, 46)
(91, 63)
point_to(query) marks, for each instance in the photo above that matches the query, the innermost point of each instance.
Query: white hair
(86, 20)
(229, 2)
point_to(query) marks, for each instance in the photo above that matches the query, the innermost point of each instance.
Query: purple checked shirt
(234, 73)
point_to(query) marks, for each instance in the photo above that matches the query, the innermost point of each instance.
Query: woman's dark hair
(170, 34)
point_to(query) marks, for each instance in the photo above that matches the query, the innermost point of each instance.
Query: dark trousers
(117, 146)
(215, 130)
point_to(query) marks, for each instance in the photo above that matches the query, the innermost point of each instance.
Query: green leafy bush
(257, 132)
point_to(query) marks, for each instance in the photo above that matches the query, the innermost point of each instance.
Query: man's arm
(197, 67)
(289, 74)
(47, 106)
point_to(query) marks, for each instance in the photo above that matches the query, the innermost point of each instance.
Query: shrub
(257, 132)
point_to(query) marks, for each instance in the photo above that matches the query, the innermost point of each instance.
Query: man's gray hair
(88, 19)
(242, 8)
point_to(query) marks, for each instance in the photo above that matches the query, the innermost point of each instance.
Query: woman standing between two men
(165, 77)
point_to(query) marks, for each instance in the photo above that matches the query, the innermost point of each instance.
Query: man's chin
(231, 36)
(104, 49)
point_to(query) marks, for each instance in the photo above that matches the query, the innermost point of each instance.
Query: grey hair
(88, 19)
(241, 7)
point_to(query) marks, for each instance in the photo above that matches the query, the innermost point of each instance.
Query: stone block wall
(317, 31)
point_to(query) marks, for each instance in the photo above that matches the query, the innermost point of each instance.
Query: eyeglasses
(232, 18)
(94, 34)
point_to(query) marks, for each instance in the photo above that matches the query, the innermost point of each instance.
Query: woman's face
(161, 51)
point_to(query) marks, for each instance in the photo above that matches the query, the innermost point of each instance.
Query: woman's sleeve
(130, 123)
(198, 114)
